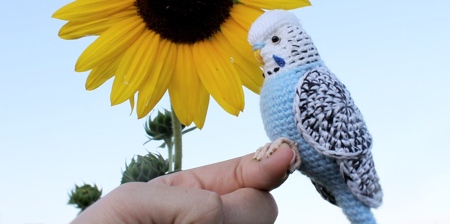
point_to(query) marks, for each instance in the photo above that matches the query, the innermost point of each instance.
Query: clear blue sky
(392, 56)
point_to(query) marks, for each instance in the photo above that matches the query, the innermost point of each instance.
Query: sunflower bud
(84, 196)
(160, 126)
(145, 168)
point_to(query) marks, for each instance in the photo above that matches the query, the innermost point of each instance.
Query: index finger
(242, 172)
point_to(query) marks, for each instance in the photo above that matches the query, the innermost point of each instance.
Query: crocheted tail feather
(324, 172)
(354, 209)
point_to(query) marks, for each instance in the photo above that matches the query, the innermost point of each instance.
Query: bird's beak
(258, 57)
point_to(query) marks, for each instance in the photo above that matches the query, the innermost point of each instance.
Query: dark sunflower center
(184, 21)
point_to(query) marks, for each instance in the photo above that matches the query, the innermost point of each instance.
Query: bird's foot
(269, 148)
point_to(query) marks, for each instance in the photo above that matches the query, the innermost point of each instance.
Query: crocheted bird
(305, 105)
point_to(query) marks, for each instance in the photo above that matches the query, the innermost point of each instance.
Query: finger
(249, 205)
(241, 172)
(181, 205)
(143, 203)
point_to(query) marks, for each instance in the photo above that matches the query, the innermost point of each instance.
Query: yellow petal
(131, 104)
(77, 29)
(279, 4)
(236, 36)
(249, 73)
(158, 79)
(111, 43)
(184, 87)
(134, 67)
(219, 76)
(245, 15)
(91, 10)
(202, 108)
(74, 30)
(251, 76)
(102, 73)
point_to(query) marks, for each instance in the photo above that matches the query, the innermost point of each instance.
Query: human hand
(233, 191)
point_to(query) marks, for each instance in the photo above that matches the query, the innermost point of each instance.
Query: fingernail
(294, 158)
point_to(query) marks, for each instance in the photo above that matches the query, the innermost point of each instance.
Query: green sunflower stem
(177, 137)
(169, 144)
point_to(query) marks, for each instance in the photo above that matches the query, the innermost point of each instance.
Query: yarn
(277, 100)
(305, 102)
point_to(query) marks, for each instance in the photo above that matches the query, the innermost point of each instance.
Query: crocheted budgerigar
(305, 105)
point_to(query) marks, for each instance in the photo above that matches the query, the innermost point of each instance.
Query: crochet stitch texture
(278, 118)
(301, 99)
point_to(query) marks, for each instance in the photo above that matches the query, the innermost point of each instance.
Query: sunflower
(192, 48)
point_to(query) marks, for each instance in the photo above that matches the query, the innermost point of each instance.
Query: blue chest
(276, 104)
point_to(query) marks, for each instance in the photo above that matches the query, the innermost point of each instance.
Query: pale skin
(233, 191)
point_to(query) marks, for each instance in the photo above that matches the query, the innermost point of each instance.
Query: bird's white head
(280, 43)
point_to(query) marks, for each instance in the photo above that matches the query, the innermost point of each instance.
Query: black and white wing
(330, 122)
(327, 118)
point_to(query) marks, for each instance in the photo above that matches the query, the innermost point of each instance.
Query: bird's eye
(276, 39)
